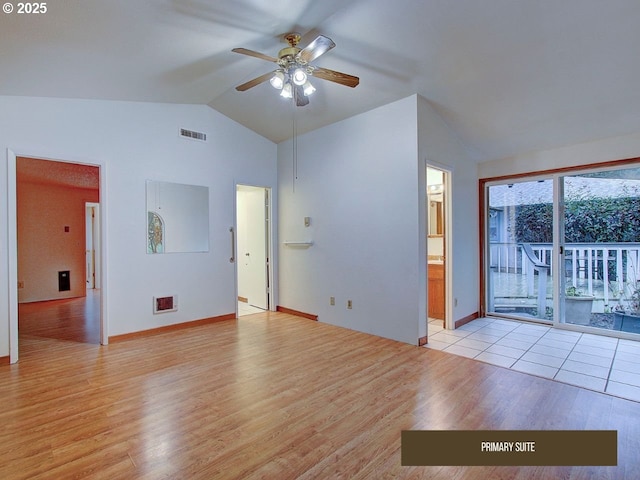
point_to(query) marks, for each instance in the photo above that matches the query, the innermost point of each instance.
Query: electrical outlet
(20, 284)
(332, 300)
(349, 304)
(455, 302)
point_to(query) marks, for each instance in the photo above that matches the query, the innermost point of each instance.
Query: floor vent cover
(165, 304)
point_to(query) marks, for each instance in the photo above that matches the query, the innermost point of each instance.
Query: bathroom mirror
(435, 214)
(177, 218)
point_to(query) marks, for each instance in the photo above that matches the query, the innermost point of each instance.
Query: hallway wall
(133, 142)
(45, 247)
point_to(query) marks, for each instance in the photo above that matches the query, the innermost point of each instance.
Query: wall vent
(64, 281)
(165, 304)
(193, 134)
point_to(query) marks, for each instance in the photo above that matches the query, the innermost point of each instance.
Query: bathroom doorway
(437, 232)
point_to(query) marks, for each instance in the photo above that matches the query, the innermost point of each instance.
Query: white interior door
(89, 250)
(93, 251)
(252, 245)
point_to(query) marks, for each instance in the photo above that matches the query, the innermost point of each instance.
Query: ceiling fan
(294, 69)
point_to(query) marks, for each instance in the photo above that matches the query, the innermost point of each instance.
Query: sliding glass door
(601, 223)
(565, 249)
(520, 256)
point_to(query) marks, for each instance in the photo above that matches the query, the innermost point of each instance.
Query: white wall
(362, 182)
(46, 248)
(604, 150)
(133, 142)
(357, 181)
(439, 146)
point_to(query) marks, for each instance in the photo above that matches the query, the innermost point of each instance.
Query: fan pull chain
(295, 145)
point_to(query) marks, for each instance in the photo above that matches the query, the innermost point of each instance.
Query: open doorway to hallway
(253, 247)
(58, 231)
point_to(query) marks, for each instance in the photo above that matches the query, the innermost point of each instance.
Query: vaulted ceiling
(508, 76)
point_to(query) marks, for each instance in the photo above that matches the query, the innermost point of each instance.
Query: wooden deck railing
(604, 270)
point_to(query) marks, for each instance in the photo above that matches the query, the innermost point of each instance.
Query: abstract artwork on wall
(155, 236)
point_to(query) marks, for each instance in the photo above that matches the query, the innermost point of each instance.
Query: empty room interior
(251, 240)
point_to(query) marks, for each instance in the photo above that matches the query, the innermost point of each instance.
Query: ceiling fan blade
(301, 99)
(254, 82)
(253, 53)
(337, 77)
(316, 48)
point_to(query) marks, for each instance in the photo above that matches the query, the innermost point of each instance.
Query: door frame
(556, 175)
(271, 301)
(12, 246)
(485, 244)
(95, 228)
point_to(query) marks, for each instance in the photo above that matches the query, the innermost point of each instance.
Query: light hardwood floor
(73, 319)
(277, 397)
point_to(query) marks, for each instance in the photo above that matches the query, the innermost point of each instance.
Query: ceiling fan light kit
(287, 91)
(277, 81)
(299, 76)
(292, 76)
(308, 89)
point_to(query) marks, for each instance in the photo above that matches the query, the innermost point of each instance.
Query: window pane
(602, 244)
(520, 249)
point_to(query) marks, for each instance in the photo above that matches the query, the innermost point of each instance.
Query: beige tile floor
(604, 364)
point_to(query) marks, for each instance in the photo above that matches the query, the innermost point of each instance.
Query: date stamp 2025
(25, 7)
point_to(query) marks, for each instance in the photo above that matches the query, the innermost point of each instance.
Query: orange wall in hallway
(44, 247)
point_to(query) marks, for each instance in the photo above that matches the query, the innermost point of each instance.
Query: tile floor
(246, 309)
(604, 364)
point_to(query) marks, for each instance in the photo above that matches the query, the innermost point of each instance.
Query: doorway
(520, 228)
(437, 247)
(51, 204)
(253, 227)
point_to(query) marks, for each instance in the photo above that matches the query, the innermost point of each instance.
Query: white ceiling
(509, 76)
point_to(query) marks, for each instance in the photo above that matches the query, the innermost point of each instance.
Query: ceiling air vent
(192, 134)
